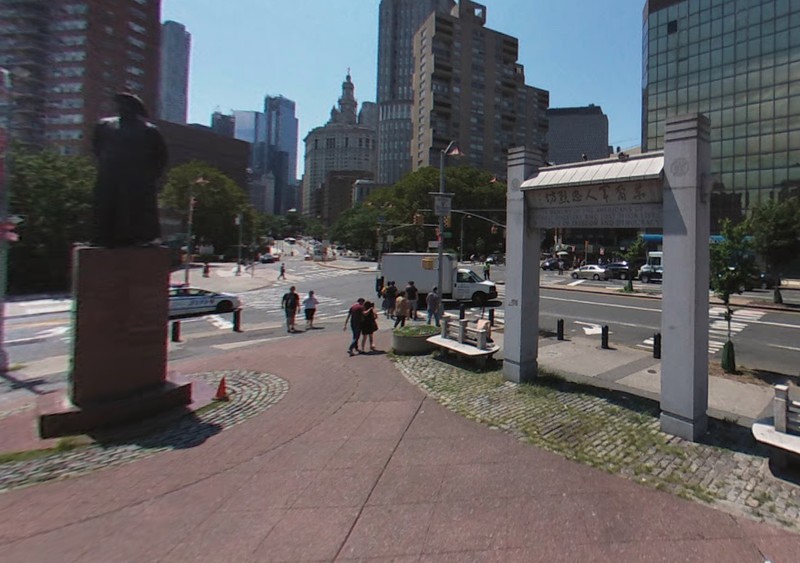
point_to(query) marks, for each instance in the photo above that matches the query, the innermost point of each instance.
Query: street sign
(389, 238)
(448, 234)
(442, 204)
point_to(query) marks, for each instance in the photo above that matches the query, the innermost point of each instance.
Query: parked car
(550, 264)
(618, 270)
(768, 281)
(267, 259)
(187, 301)
(591, 271)
(496, 258)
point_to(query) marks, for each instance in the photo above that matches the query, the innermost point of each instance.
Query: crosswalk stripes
(718, 327)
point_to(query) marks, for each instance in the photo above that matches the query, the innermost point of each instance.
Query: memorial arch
(666, 189)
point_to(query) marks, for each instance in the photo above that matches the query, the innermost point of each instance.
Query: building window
(672, 27)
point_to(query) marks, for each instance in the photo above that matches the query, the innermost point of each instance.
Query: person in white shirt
(310, 307)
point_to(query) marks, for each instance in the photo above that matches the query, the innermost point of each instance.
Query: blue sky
(582, 51)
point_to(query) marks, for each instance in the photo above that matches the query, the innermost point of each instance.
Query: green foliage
(775, 227)
(54, 194)
(732, 266)
(636, 251)
(218, 201)
(417, 330)
(399, 203)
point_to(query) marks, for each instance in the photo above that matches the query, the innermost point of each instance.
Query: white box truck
(461, 284)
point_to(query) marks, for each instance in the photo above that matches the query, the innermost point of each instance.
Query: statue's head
(130, 105)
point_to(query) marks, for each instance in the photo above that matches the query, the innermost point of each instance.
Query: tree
(732, 267)
(775, 227)
(634, 256)
(53, 194)
(356, 228)
(218, 200)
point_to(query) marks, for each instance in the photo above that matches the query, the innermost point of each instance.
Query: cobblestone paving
(250, 393)
(617, 433)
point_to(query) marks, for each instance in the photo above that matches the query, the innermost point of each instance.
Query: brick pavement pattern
(356, 463)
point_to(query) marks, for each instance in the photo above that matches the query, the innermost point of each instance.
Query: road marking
(576, 282)
(792, 348)
(601, 304)
(590, 328)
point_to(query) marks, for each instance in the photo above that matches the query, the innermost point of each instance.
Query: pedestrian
(560, 266)
(356, 316)
(401, 309)
(412, 294)
(434, 304)
(391, 294)
(206, 270)
(282, 275)
(486, 270)
(368, 326)
(290, 301)
(310, 308)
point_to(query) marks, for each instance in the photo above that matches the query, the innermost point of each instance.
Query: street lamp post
(238, 222)
(190, 220)
(5, 161)
(461, 246)
(442, 207)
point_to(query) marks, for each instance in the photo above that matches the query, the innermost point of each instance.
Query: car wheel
(479, 299)
(764, 284)
(574, 275)
(224, 307)
(596, 277)
(623, 276)
(644, 278)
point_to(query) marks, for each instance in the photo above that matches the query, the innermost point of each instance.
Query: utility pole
(238, 222)
(442, 204)
(5, 163)
(190, 220)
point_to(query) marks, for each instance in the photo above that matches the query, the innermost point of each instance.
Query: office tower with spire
(176, 45)
(398, 21)
(346, 143)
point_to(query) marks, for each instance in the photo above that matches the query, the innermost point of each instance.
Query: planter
(414, 344)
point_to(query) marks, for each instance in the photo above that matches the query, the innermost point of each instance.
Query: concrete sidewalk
(354, 462)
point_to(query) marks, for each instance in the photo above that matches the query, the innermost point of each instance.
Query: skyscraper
(469, 88)
(577, 132)
(346, 143)
(398, 21)
(69, 58)
(282, 149)
(174, 83)
(738, 63)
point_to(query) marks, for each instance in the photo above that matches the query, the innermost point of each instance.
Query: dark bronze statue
(131, 157)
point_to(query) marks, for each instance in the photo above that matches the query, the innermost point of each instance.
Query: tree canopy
(775, 226)
(53, 195)
(218, 201)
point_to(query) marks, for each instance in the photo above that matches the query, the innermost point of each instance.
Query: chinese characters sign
(634, 204)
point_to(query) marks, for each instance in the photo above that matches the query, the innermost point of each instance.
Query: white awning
(648, 166)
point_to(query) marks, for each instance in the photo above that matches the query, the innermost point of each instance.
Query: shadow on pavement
(178, 429)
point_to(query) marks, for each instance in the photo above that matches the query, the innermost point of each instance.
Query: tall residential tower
(68, 59)
(398, 21)
(469, 88)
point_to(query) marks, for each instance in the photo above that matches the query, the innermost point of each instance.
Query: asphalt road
(764, 339)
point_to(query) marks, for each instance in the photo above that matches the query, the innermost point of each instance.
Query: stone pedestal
(119, 348)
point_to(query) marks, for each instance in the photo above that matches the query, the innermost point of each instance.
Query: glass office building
(737, 62)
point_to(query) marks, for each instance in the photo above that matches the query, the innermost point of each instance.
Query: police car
(186, 301)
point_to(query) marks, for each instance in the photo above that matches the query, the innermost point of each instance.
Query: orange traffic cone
(222, 391)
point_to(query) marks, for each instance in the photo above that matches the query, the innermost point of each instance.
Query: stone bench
(782, 433)
(460, 338)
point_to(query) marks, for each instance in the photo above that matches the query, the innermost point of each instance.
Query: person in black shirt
(290, 301)
(412, 294)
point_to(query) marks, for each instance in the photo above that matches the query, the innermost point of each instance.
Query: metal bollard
(604, 335)
(237, 320)
(176, 331)
(560, 329)
(462, 311)
(657, 346)
(491, 316)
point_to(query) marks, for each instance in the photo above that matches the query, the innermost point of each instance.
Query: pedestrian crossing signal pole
(238, 221)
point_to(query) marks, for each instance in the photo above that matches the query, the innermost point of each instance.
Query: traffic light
(448, 220)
